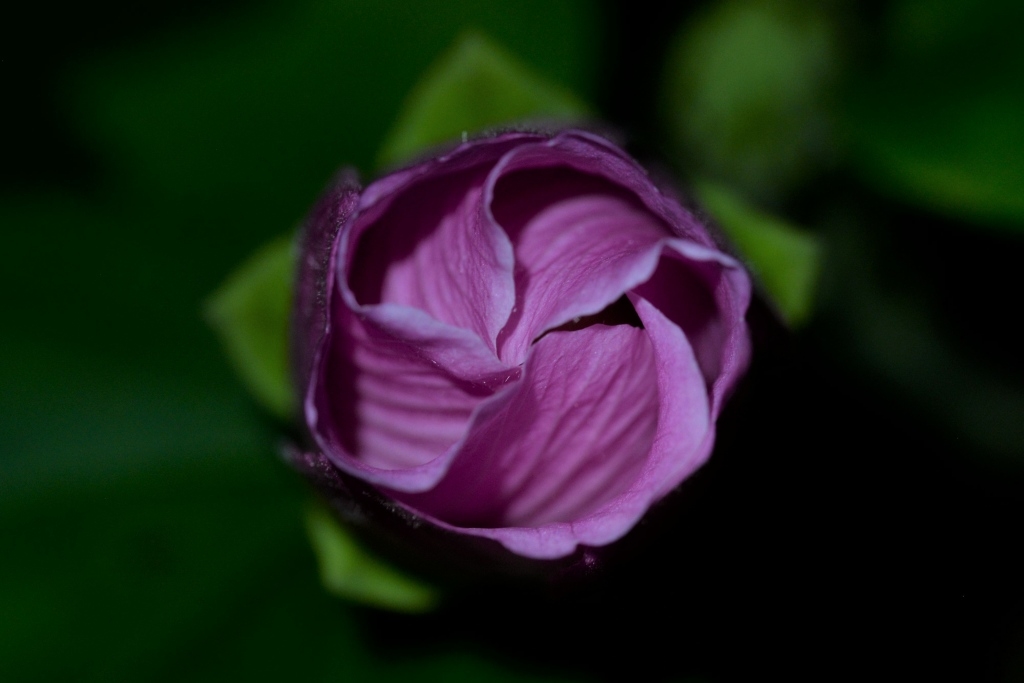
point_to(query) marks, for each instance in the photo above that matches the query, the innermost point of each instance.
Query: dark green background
(861, 514)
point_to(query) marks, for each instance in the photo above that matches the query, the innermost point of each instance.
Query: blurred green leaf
(473, 86)
(745, 90)
(69, 422)
(938, 121)
(125, 572)
(956, 154)
(261, 107)
(250, 313)
(349, 571)
(785, 259)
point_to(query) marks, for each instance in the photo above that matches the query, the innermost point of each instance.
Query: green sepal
(785, 259)
(349, 571)
(473, 86)
(250, 314)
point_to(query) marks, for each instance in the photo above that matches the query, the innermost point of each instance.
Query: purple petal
(393, 386)
(580, 243)
(685, 423)
(569, 439)
(457, 268)
(422, 239)
(682, 442)
(706, 294)
(394, 391)
(595, 156)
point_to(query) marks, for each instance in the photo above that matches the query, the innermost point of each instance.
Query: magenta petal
(595, 156)
(573, 259)
(395, 391)
(566, 441)
(682, 442)
(685, 423)
(460, 348)
(706, 294)
(422, 239)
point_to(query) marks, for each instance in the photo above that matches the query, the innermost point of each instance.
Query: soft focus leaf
(128, 565)
(745, 92)
(961, 157)
(785, 259)
(250, 314)
(939, 122)
(279, 94)
(107, 369)
(74, 421)
(475, 85)
(349, 571)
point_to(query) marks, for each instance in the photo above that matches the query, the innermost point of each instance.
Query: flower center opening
(621, 312)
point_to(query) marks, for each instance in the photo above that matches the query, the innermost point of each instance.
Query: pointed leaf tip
(786, 259)
(473, 86)
(250, 313)
(349, 571)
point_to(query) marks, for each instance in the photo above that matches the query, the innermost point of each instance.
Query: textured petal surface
(423, 240)
(410, 350)
(685, 424)
(384, 407)
(526, 341)
(596, 156)
(682, 441)
(579, 244)
(706, 294)
(571, 436)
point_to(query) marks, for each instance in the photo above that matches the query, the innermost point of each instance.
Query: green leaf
(250, 314)
(475, 85)
(129, 566)
(745, 90)
(960, 156)
(348, 570)
(263, 104)
(785, 259)
(938, 123)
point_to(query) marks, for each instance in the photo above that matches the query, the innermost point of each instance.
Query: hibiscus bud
(521, 340)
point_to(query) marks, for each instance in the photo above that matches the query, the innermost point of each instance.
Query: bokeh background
(862, 514)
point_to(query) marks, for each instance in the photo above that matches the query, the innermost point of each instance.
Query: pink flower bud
(523, 340)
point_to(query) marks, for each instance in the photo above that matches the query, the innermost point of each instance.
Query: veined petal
(706, 294)
(422, 239)
(579, 245)
(570, 437)
(447, 368)
(394, 392)
(597, 157)
(685, 422)
(410, 352)
(682, 442)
